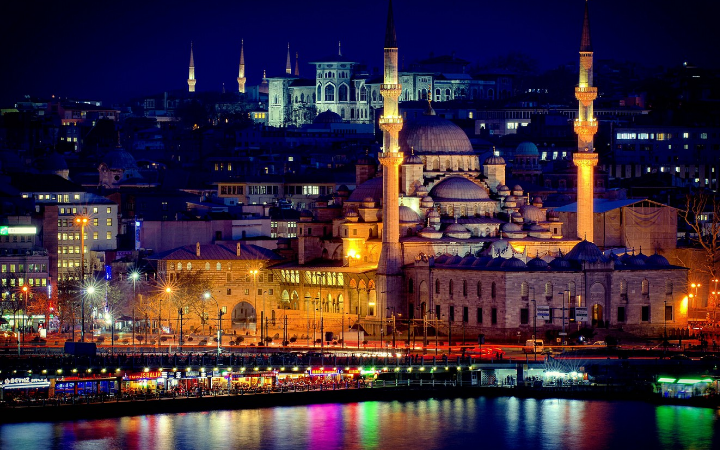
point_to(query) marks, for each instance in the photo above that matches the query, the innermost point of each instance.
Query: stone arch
(423, 293)
(295, 301)
(597, 301)
(243, 317)
(340, 303)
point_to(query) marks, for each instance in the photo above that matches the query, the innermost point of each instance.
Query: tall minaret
(241, 74)
(297, 65)
(585, 126)
(191, 75)
(288, 67)
(389, 275)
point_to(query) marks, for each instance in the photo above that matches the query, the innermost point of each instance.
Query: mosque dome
(511, 227)
(119, 159)
(527, 149)
(407, 215)
(351, 213)
(482, 261)
(532, 213)
(328, 117)
(517, 187)
(586, 251)
(426, 202)
(537, 263)
(434, 215)
(413, 159)
(457, 231)
(372, 188)
(430, 233)
(343, 189)
(634, 261)
(496, 262)
(432, 135)
(495, 161)
(453, 189)
(657, 260)
(513, 263)
(560, 263)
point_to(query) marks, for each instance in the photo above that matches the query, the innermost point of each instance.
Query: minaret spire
(389, 270)
(339, 49)
(241, 72)
(585, 127)
(297, 65)
(288, 67)
(191, 72)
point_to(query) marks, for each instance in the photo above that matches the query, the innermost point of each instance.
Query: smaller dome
(495, 161)
(430, 233)
(536, 227)
(351, 213)
(634, 261)
(657, 260)
(54, 162)
(517, 187)
(527, 149)
(511, 227)
(537, 199)
(560, 263)
(413, 159)
(407, 215)
(328, 117)
(343, 188)
(496, 262)
(586, 251)
(482, 261)
(537, 263)
(434, 214)
(455, 227)
(513, 263)
(532, 213)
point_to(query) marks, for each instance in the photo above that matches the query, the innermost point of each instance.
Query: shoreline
(125, 408)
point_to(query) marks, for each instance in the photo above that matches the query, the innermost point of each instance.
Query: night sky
(115, 50)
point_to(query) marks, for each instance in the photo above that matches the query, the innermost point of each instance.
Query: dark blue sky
(114, 50)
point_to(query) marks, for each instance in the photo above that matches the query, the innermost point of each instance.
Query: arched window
(451, 288)
(352, 113)
(218, 266)
(623, 289)
(668, 287)
(343, 93)
(329, 93)
(319, 92)
(296, 99)
(275, 101)
(179, 267)
(411, 287)
(207, 266)
(493, 290)
(490, 94)
(437, 95)
(464, 288)
(548, 290)
(374, 96)
(447, 94)
(524, 290)
(189, 266)
(437, 286)
(479, 289)
(342, 113)
(645, 287)
(302, 97)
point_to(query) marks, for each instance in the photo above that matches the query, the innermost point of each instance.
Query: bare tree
(702, 214)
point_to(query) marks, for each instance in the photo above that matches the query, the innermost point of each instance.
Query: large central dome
(433, 135)
(454, 189)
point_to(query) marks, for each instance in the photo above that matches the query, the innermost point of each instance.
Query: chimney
(197, 249)
(237, 250)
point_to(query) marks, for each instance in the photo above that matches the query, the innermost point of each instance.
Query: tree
(702, 215)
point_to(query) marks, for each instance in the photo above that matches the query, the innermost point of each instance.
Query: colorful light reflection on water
(491, 423)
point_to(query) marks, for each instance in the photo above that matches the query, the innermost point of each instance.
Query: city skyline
(115, 54)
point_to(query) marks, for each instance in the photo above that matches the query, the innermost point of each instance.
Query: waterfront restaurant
(86, 385)
(255, 379)
(24, 387)
(145, 381)
(687, 386)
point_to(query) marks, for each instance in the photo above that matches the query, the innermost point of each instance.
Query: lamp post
(715, 294)
(254, 273)
(109, 319)
(82, 221)
(134, 276)
(26, 292)
(665, 314)
(220, 312)
(534, 322)
(695, 286)
(182, 311)
(563, 333)
(168, 291)
(392, 311)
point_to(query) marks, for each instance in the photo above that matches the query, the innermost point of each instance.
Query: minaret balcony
(586, 128)
(391, 90)
(586, 95)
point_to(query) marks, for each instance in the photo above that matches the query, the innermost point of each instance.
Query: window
(228, 291)
(479, 315)
(548, 290)
(189, 266)
(343, 93)
(524, 291)
(108, 222)
(621, 314)
(493, 290)
(451, 317)
(451, 289)
(464, 288)
(95, 222)
(668, 313)
(437, 311)
(437, 286)
(247, 291)
(479, 289)
(645, 286)
(108, 235)
(524, 316)
(645, 314)
(466, 314)
(95, 235)
(95, 210)
(410, 286)
(493, 316)
(329, 93)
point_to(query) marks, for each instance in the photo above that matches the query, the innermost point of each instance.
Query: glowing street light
(82, 221)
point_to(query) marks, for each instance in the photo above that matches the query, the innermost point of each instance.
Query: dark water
(460, 424)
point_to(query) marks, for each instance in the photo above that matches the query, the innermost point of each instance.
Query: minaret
(297, 65)
(288, 67)
(241, 73)
(389, 275)
(191, 75)
(585, 126)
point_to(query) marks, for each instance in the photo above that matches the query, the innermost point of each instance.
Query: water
(490, 423)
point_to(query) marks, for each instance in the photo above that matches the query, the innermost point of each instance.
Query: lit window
(95, 235)
(108, 222)
(703, 135)
(108, 210)
(95, 210)
(686, 135)
(470, 115)
(677, 169)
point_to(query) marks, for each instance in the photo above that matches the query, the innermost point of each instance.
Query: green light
(688, 380)
(666, 380)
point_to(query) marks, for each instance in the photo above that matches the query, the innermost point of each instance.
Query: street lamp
(254, 273)
(695, 286)
(82, 221)
(220, 311)
(182, 311)
(90, 292)
(26, 292)
(168, 291)
(134, 276)
(534, 322)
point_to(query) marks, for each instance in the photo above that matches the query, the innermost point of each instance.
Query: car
(680, 356)
(599, 343)
(486, 352)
